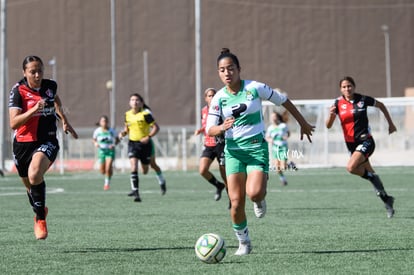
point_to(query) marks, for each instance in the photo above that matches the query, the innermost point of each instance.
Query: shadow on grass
(348, 251)
(111, 249)
(121, 250)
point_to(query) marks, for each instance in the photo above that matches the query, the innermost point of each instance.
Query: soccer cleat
(259, 209)
(132, 193)
(137, 197)
(389, 206)
(219, 189)
(284, 183)
(245, 248)
(163, 187)
(106, 187)
(40, 227)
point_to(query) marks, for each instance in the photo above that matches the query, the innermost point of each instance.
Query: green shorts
(103, 154)
(247, 160)
(280, 153)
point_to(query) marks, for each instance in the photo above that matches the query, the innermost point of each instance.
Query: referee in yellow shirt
(140, 126)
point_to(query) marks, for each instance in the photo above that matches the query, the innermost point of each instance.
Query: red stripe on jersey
(208, 140)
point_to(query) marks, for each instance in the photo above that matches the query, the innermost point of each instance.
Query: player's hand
(332, 110)
(307, 130)
(67, 128)
(392, 128)
(40, 105)
(228, 122)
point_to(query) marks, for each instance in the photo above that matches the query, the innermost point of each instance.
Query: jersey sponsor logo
(49, 93)
(238, 109)
(249, 95)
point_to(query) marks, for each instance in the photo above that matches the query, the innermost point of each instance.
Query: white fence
(178, 149)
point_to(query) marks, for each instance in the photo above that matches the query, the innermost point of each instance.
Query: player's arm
(384, 110)
(332, 115)
(65, 123)
(124, 132)
(16, 117)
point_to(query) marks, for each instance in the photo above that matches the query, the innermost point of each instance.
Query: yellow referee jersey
(139, 124)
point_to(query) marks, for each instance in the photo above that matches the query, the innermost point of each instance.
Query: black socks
(38, 199)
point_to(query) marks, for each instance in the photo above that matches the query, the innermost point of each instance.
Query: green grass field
(324, 222)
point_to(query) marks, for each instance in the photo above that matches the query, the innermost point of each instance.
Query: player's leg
(206, 159)
(257, 175)
(160, 177)
(359, 165)
(108, 169)
(134, 179)
(237, 193)
(39, 164)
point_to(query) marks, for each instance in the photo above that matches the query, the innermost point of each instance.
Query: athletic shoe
(137, 197)
(106, 187)
(244, 248)
(259, 208)
(389, 207)
(284, 183)
(40, 227)
(163, 187)
(219, 189)
(132, 193)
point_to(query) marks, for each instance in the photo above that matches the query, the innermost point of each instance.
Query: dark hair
(31, 58)
(284, 117)
(102, 117)
(347, 78)
(140, 99)
(225, 53)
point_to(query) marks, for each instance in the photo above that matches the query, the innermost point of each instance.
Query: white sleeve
(95, 133)
(214, 113)
(274, 96)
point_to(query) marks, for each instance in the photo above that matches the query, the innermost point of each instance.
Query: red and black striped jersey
(353, 116)
(42, 125)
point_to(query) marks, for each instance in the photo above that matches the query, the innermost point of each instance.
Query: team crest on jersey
(49, 93)
(249, 95)
(343, 106)
(360, 104)
(215, 108)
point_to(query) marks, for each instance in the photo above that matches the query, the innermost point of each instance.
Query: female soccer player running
(105, 139)
(351, 108)
(213, 149)
(277, 134)
(239, 104)
(33, 108)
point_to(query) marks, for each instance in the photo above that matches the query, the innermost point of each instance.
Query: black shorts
(140, 151)
(366, 147)
(23, 153)
(215, 152)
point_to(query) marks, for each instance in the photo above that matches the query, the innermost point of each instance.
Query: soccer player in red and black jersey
(33, 110)
(213, 149)
(351, 108)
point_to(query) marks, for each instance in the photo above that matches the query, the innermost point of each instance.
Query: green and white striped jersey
(246, 107)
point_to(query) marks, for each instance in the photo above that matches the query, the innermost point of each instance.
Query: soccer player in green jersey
(105, 139)
(239, 104)
(276, 135)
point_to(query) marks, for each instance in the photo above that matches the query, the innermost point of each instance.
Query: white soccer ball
(210, 248)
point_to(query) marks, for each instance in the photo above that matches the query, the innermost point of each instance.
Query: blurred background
(101, 51)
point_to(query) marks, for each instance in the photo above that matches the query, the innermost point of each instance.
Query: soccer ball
(210, 248)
